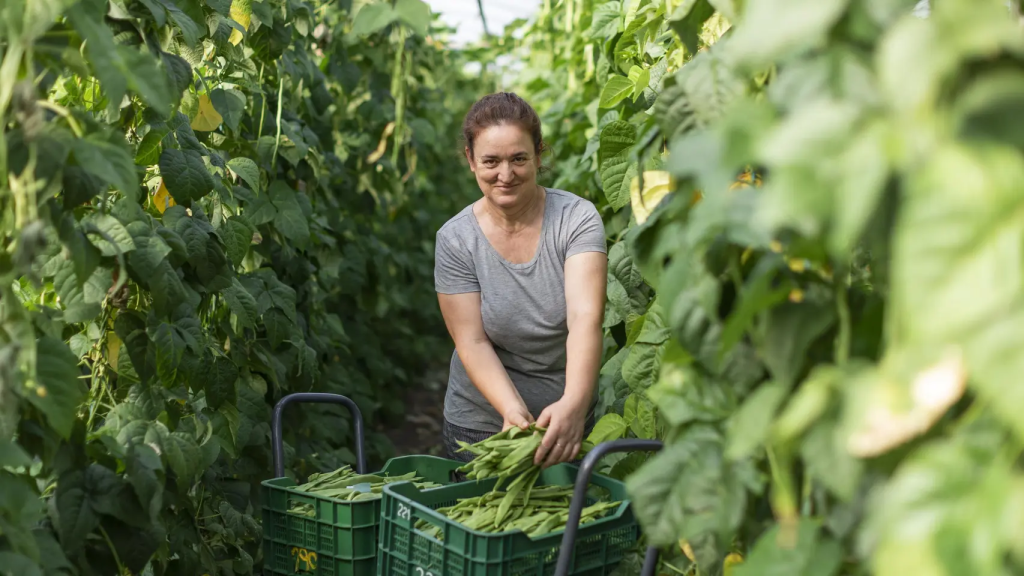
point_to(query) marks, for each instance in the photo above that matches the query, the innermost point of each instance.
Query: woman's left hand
(563, 422)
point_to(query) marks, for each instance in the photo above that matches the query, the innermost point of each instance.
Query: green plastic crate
(406, 551)
(341, 540)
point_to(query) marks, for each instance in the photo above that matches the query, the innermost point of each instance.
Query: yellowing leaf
(731, 560)
(162, 199)
(207, 118)
(113, 349)
(685, 547)
(241, 12)
(657, 185)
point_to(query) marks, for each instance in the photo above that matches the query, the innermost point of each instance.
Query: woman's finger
(545, 419)
(557, 454)
(544, 448)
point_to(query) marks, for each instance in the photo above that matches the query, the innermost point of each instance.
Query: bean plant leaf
(77, 518)
(242, 304)
(247, 171)
(231, 106)
(775, 28)
(108, 160)
(415, 14)
(289, 220)
(185, 175)
(102, 229)
(237, 235)
(372, 18)
(609, 427)
(60, 389)
(617, 89)
(617, 166)
(148, 152)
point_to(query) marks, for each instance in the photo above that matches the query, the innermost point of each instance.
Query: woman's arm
(585, 286)
(465, 324)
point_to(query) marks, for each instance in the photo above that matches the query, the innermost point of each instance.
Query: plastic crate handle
(579, 497)
(316, 398)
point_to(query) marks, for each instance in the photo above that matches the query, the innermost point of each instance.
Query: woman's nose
(505, 172)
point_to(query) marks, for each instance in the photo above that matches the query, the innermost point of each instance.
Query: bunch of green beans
(507, 454)
(536, 512)
(340, 485)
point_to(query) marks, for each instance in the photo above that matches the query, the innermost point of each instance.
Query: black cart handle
(579, 497)
(314, 397)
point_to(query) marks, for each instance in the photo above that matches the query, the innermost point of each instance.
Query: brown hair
(498, 109)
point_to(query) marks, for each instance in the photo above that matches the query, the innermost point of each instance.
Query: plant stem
(120, 567)
(842, 350)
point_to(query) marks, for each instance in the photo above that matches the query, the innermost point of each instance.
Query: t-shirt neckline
(540, 241)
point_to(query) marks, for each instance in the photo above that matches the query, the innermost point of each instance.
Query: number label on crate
(307, 558)
(422, 572)
(404, 512)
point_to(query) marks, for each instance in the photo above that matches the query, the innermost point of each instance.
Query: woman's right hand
(517, 416)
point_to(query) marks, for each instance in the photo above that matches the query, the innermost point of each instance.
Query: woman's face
(505, 164)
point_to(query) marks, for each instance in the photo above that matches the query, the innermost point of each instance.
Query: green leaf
(57, 376)
(182, 455)
(146, 79)
(237, 234)
(77, 518)
(640, 78)
(641, 366)
(169, 347)
(185, 175)
(371, 18)
(803, 553)
(230, 104)
(415, 14)
(750, 425)
(289, 220)
(107, 224)
(698, 95)
(791, 329)
(247, 171)
(609, 427)
(87, 18)
(14, 564)
(242, 304)
(772, 29)
(190, 30)
(179, 75)
(12, 455)
(828, 460)
(220, 383)
(617, 167)
(149, 149)
(146, 259)
(615, 90)
(687, 489)
(606, 19)
(934, 279)
(108, 160)
(687, 21)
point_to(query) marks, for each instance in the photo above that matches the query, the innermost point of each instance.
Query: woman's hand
(564, 422)
(517, 416)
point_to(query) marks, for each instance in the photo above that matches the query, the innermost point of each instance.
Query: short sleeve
(586, 230)
(453, 269)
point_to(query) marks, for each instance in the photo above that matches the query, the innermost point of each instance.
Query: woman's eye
(490, 163)
(519, 161)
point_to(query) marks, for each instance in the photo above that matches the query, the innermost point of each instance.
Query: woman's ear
(469, 158)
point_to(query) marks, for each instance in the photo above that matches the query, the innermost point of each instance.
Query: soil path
(420, 433)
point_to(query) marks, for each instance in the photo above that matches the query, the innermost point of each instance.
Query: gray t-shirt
(523, 305)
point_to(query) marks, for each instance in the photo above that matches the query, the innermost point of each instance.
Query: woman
(520, 276)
